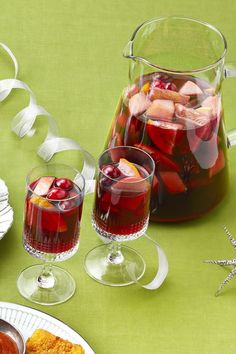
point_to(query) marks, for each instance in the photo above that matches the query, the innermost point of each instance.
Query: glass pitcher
(172, 109)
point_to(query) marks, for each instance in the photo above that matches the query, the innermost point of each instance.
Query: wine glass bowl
(53, 209)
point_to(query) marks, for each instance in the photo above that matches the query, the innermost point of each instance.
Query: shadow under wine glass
(120, 213)
(53, 209)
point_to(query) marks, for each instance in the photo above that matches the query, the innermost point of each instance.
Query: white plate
(6, 212)
(26, 320)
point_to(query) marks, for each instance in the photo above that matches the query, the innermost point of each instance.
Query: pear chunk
(162, 109)
(138, 103)
(190, 89)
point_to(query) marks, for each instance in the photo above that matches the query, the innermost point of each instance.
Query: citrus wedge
(40, 202)
(128, 168)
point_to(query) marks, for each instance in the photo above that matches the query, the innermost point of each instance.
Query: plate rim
(61, 324)
(3, 233)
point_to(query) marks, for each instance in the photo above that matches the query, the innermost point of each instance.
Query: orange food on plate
(44, 342)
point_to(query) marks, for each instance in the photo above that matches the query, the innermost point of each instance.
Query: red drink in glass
(52, 220)
(121, 207)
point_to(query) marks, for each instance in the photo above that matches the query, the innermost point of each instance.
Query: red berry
(57, 193)
(105, 182)
(111, 171)
(158, 83)
(170, 86)
(64, 183)
(67, 204)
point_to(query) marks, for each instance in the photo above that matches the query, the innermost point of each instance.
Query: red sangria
(53, 209)
(178, 120)
(121, 208)
(120, 213)
(52, 216)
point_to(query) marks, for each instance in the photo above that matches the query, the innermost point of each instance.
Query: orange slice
(128, 168)
(40, 202)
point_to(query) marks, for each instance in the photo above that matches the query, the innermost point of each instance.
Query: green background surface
(70, 54)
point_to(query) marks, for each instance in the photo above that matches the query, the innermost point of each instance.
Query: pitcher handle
(230, 71)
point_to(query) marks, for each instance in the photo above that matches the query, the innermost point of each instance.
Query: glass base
(123, 270)
(57, 288)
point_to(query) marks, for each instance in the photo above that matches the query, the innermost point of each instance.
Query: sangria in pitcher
(172, 109)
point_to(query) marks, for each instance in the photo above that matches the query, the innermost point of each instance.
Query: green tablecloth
(70, 55)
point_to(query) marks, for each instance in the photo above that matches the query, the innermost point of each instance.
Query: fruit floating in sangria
(52, 216)
(178, 120)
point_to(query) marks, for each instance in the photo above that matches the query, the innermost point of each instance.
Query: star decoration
(226, 262)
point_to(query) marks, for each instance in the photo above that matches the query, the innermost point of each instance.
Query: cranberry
(170, 86)
(57, 193)
(64, 183)
(67, 204)
(158, 83)
(105, 182)
(111, 171)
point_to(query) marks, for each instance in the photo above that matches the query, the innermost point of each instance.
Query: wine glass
(120, 213)
(53, 208)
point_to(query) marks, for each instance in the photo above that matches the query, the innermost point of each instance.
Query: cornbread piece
(44, 342)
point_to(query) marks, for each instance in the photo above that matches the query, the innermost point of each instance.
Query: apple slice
(162, 109)
(219, 164)
(195, 119)
(165, 135)
(131, 184)
(138, 103)
(190, 89)
(43, 185)
(131, 91)
(133, 131)
(173, 182)
(121, 119)
(157, 93)
(162, 160)
(206, 111)
(210, 91)
(214, 102)
(186, 113)
(130, 193)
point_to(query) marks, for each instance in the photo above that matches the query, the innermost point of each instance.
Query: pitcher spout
(128, 50)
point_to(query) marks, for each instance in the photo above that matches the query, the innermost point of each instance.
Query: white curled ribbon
(162, 271)
(6, 92)
(22, 124)
(163, 267)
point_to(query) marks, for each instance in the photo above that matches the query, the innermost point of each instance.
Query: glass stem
(46, 279)
(115, 255)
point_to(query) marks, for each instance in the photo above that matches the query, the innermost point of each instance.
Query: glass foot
(124, 267)
(51, 288)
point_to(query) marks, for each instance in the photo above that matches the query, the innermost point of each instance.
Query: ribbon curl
(22, 124)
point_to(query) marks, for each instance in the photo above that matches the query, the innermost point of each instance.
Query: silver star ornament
(226, 262)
